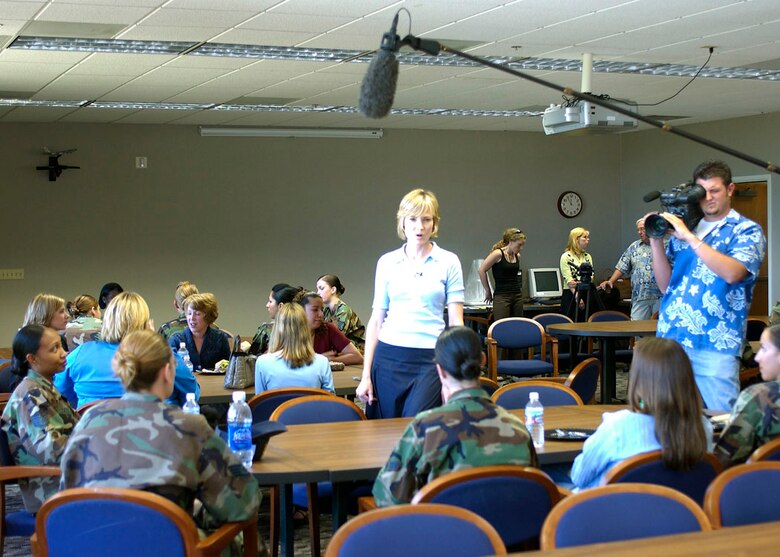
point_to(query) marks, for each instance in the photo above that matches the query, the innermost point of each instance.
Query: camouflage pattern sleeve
(348, 323)
(393, 485)
(261, 339)
(754, 420)
(167, 330)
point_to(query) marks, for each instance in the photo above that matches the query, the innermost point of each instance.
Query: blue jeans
(717, 377)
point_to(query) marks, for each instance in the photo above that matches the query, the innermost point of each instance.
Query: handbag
(241, 369)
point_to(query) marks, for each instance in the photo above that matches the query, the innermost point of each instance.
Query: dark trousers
(405, 382)
(507, 305)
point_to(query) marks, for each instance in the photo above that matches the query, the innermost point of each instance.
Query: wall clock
(570, 204)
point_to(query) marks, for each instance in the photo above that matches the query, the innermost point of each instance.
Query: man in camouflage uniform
(466, 432)
(261, 339)
(183, 289)
(754, 420)
(38, 421)
(140, 442)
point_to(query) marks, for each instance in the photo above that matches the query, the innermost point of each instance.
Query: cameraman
(637, 261)
(707, 276)
(572, 300)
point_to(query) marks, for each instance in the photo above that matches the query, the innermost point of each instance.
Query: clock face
(570, 204)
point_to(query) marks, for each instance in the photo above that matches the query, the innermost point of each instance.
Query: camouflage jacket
(466, 432)
(140, 442)
(348, 323)
(754, 420)
(38, 421)
(262, 338)
(168, 329)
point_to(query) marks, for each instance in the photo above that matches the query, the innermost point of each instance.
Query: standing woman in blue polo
(413, 284)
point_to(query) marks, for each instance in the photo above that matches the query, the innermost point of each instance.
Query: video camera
(681, 201)
(583, 274)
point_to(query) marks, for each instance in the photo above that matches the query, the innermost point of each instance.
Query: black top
(508, 277)
(215, 347)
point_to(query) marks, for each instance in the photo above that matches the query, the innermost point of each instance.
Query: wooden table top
(357, 450)
(644, 327)
(756, 540)
(212, 389)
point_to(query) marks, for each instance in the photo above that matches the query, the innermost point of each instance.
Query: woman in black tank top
(504, 260)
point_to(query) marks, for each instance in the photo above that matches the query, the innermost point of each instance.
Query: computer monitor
(544, 283)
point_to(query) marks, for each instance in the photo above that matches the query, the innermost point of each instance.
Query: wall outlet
(11, 274)
(140, 162)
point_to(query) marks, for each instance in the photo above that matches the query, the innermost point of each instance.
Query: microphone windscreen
(653, 195)
(378, 88)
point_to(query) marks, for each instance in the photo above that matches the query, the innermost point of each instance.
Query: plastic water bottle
(534, 419)
(191, 405)
(184, 354)
(239, 422)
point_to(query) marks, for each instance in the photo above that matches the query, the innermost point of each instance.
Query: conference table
(607, 332)
(755, 540)
(345, 452)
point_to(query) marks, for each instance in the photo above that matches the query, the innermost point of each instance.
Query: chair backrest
(317, 410)
(515, 500)
(744, 494)
(608, 315)
(6, 458)
(4, 398)
(516, 333)
(584, 379)
(416, 530)
(113, 521)
(515, 395)
(551, 319)
(766, 452)
(488, 384)
(650, 468)
(621, 512)
(754, 329)
(263, 404)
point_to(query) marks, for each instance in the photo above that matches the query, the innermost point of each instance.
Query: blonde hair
(41, 309)
(82, 305)
(510, 235)
(291, 336)
(184, 289)
(139, 358)
(126, 313)
(414, 204)
(574, 235)
(206, 303)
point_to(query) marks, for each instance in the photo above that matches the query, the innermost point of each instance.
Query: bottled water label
(240, 437)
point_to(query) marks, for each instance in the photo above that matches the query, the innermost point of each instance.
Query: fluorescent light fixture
(45, 103)
(68, 44)
(208, 131)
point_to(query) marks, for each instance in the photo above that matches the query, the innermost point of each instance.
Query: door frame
(773, 214)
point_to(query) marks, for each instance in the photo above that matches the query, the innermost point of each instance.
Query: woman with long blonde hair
(571, 263)
(504, 261)
(291, 360)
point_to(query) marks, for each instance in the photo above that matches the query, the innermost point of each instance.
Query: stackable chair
(519, 333)
(515, 395)
(263, 404)
(767, 452)
(621, 355)
(564, 351)
(416, 531)
(621, 512)
(127, 522)
(583, 379)
(650, 468)
(744, 494)
(488, 384)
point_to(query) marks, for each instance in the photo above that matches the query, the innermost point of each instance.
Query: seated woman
(109, 291)
(37, 418)
(330, 289)
(468, 430)
(328, 340)
(205, 344)
(665, 413)
(183, 289)
(755, 418)
(85, 322)
(88, 374)
(140, 442)
(291, 360)
(281, 293)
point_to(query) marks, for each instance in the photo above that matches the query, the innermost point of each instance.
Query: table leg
(608, 384)
(340, 494)
(287, 536)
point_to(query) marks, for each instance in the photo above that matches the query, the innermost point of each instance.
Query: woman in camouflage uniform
(37, 418)
(330, 289)
(467, 431)
(281, 293)
(140, 442)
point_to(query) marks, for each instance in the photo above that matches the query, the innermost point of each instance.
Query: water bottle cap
(191, 396)
(533, 396)
(182, 346)
(239, 396)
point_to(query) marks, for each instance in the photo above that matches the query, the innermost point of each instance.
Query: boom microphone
(652, 196)
(378, 88)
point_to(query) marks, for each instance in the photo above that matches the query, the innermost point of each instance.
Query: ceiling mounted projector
(584, 118)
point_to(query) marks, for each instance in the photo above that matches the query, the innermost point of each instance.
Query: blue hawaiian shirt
(637, 261)
(700, 310)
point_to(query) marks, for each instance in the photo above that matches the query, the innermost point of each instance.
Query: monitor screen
(544, 283)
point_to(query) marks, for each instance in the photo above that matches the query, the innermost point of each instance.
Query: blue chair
(19, 523)
(564, 351)
(488, 384)
(127, 522)
(767, 452)
(650, 468)
(519, 333)
(621, 354)
(416, 531)
(744, 494)
(316, 410)
(583, 379)
(515, 500)
(263, 404)
(621, 512)
(515, 395)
